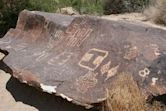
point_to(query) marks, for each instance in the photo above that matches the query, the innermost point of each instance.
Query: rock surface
(15, 96)
(77, 58)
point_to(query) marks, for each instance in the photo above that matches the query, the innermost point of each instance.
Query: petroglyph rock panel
(78, 58)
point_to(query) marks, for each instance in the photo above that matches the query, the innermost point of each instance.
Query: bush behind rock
(156, 12)
(122, 6)
(9, 9)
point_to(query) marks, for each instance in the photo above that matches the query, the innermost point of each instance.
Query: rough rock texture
(15, 96)
(78, 58)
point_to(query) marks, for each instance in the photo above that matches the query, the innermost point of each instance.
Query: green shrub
(9, 9)
(43, 5)
(122, 6)
(156, 12)
(84, 6)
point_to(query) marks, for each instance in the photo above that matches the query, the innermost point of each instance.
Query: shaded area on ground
(41, 101)
(4, 67)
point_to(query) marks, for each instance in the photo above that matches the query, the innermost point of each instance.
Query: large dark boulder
(79, 58)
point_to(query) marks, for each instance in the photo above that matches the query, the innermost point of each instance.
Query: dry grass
(124, 95)
(157, 12)
(157, 106)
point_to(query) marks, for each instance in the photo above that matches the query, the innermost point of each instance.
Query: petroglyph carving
(145, 72)
(87, 57)
(112, 72)
(82, 57)
(151, 52)
(78, 33)
(41, 55)
(105, 68)
(132, 53)
(86, 82)
(64, 57)
(93, 58)
(154, 80)
(82, 33)
(156, 49)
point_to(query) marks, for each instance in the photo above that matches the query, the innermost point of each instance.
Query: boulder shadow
(40, 100)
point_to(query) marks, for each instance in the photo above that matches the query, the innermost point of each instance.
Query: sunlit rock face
(78, 58)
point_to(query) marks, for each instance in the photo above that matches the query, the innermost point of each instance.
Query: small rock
(68, 11)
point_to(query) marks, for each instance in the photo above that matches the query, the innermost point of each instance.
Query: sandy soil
(8, 103)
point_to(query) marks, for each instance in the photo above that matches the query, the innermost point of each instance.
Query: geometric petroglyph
(78, 33)
(93, 58)
(60, 59)
(86, 82)
(82, 33)
(131, 54)
(108, 71)
(105, 68)
(145, 72)
(41, 55)
(112, 72)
